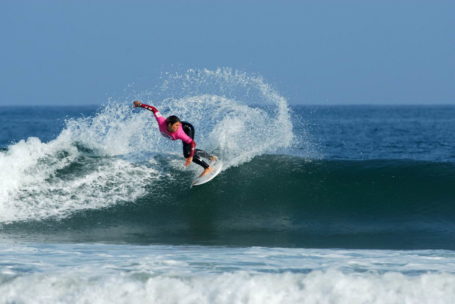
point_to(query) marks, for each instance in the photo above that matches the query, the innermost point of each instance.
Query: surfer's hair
(172, 120)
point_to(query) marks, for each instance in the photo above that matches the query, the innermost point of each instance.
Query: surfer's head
(173, 123)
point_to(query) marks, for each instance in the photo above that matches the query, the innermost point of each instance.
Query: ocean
(315, 204)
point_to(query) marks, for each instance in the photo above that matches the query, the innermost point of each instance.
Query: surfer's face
(173, 127)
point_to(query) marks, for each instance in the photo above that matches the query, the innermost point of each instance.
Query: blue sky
(312, 52)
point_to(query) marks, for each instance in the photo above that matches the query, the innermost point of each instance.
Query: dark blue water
(381, 132)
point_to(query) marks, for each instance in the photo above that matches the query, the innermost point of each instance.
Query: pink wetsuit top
(179, 134)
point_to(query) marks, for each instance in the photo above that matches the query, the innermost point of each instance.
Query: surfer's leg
(202, 153)
(205, 154)
(200, 162)
(189, 130)
(196, 158)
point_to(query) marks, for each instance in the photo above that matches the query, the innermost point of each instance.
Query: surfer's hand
(136, 103)
(188, 161)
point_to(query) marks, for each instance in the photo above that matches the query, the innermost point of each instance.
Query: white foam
(83, 286)
(96, 273)
(32, 189)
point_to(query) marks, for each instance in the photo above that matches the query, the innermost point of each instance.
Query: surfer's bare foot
(213, 158)
(206, 171)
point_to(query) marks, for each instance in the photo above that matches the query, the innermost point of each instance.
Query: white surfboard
(217, 166)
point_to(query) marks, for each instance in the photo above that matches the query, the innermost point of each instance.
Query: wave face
(278, 200)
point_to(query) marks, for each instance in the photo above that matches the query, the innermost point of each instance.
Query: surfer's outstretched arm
(158, 116)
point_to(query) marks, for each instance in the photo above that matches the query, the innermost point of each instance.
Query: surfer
(173, 128)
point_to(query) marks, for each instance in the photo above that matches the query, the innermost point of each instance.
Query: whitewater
(315, 204)
(79, 273)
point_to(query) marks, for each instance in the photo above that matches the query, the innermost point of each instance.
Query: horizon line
(290, 104)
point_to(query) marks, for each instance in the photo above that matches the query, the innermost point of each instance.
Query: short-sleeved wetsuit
(185, 133)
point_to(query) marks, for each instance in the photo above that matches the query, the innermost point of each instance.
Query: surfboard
(217, 166)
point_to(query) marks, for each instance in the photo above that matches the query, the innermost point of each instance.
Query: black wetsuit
(189, 130)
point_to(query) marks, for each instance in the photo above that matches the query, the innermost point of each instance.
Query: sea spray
(241, 118)
(237, 115)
